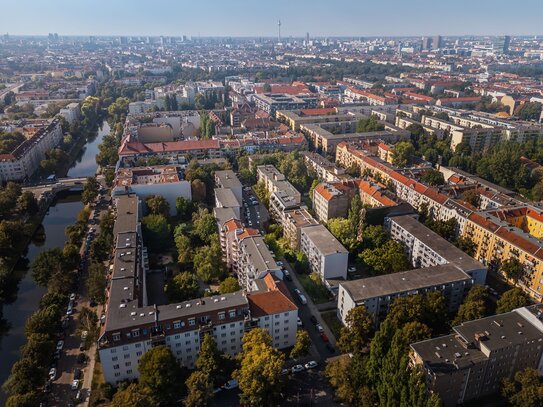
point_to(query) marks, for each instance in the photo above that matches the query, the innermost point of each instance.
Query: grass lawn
(333, 323)
(317, 291)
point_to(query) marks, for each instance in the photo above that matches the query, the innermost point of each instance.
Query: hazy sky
(259, 17)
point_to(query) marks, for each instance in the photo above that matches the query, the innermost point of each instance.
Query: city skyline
(260, 20)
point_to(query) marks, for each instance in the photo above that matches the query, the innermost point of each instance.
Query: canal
(62, 212)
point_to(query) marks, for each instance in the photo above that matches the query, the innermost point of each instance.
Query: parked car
(231, 384)
(303, 300)
(299, 322)
(77, 374)
(280, 263)
(351, 270)
(310, 365)
(60, 345)
(324, 337)
(53, 373)
(82, 346)
(75, 384)
(69, 311)
(285, 371)
(297, 368)
(72, 297)
(47, 387)
(314, 320)
(65, 322)
(319, 328)
(287, 275)
(298, 292)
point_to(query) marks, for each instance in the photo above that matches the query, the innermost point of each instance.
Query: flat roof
(390, 284)
(260, 255)
(228, 179)
(126, 205)
(324, 240)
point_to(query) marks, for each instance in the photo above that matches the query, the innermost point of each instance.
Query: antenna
(279, 26)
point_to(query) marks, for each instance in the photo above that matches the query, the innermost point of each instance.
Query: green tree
(229, 285)
(511, 299)
(208, 261)
(133, 395)
(303, 344)
(158, 205)
(184, 207)
(47, 264)
(204, 225)
(43, 321)
(403, 153)
(355, 335)
(184, 286)
(513, 269)
(27, 203)
(96, 282)
(370, 124)
(260, 369)
(200, 389)
(389, 258)
(475, 305)
(526, 390)
(433, 177)
(529, 111)
(22, 400)
(161, 374)
(90, 190)
(156, 231)
(184, 249)
(25, 377)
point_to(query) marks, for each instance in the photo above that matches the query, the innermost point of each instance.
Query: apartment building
(170, 149)
(71, 112)
(333, 200)
(24, 160)
(255, 260)
(131, 326)
(225, 198)
(326, 255)
(473, 361)
(228, 179)
(272, 102)
(274, 181)
(376, 294)
(294, 221)
(164, 180)
(326, 171)
(280, 202)
(425, 248)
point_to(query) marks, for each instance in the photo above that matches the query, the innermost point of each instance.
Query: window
(138, 345)
(176, 324)
(136, 333)
(116, 336)
(114, 358)
(222, 316)
(127, 356)
(192, 322)
(128, 364)
(129, 371)
(187, 342)
(113, 350)
(187, 334)
(125, 347)
(138, 353)
(117, 374)
(232, 313)
(115, 367)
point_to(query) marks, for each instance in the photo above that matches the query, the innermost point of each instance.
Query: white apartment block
(327, 256)
(71, 112)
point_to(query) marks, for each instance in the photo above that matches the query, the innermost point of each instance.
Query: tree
(208, 261)
(200, 389)
(433, 177)
(229, 285)
(43, 321)
(46, 264)
(204, 225)
(389, 258)
(526, 390)
(39, 348)
(90, 190)
(184, 249)
(184, 208)
(513, 269)
(161, 374)
(22, 400)
(303, 344)
(156, 231)
(25, 377)
(199, 190)
(355, 335)
(511, 299)
(370, 124)
(529, 111)
(260, 369)
(471, 196)
(403, 153)
(343, 231)
(96, 282)
(134, 395)
(184, 286)
(474, 305)
(27, 203)
(158, 205)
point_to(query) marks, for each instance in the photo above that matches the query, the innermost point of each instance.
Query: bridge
(61, 184)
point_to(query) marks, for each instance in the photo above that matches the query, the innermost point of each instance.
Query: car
(78, 395)
(71, 304)
(314, 320)
(280, 263)
(69, 311)
(285, 371)
(297, 368)
(300, 323)
(287, 275)
(319, 328)
(72, 297)
(231, 384)
(330, 348)
(60, 345)
(47, 387)
(303, 300)
(351, 270)
(75, 384)
(81, 358)
(324, 337)
(53, 373)
(56, 355)
(298, 292)
(311, 364)
(82, 346)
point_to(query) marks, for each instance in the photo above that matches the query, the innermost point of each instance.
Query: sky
(241, 18)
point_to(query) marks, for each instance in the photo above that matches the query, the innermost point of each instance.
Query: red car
(324, 337)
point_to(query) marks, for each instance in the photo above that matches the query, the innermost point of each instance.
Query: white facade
(71, 112)
(327, 257)
(282, 328)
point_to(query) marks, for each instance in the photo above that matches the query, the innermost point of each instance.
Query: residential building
(294, 220)
(326, 255)
(255, 261)
(474, 360)
(272, 102)
(71, 112)
(228, 179)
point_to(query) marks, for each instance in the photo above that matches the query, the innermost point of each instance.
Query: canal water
(63, 212)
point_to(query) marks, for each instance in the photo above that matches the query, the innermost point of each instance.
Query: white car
(75, 384)
(300, 323)
(319, 328)
(72, 297)
(231, 384)
(279, 263)
(69, 311)
(53, 373)
(60, 345)
(310, 365)
(297, 368)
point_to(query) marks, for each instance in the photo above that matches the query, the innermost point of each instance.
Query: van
(303, 300)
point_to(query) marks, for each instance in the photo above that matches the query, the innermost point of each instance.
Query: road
(62, 394)
(59, 185)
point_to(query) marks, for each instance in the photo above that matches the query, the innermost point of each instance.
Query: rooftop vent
(133, 313)
(123, 305)
(187, 306)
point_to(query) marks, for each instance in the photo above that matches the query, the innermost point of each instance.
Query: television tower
(279, 27)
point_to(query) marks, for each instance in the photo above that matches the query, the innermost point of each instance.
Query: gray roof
(391, 284)
(223, 215)
(325, 242)
(260, 255)
(228, 179)
(126, 205)
(226, 198)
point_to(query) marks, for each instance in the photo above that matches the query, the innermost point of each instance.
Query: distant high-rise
(307, 37)
(500, 45)
(437, 42)
(426, 43)
(279, 31)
